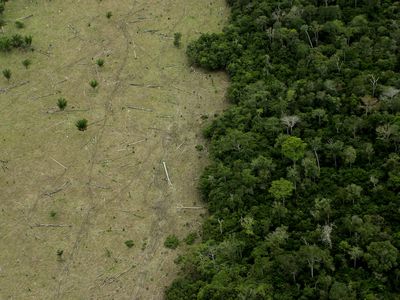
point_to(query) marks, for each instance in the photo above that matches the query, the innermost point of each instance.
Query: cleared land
(86, 193)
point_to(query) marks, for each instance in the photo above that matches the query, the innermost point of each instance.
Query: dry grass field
(86, 193)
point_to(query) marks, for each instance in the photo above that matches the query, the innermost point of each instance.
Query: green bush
(16, 41)
(171, 242)
(19, 24)
(177, 39)
(26, 63)
(82, 124)
(191, 238)
(7, 74)
(62, 103)
(129, 243)
(93, 83)
(100, 62)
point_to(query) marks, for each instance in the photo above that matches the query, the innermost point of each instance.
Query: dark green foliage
(59, 253)
(82, 124)
(199, 148)
(210, 51)
(2, 7)
(93, 83)
(62, 103)
(129, 243)
(26, 63)
(7, 74)
(177, 39)
(16, 41)
(171, 242)
(100, 62)
(303, 188)
(191, 238)
(109, 15)
(19, 24)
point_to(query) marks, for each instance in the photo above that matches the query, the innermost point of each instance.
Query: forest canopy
(303, 188)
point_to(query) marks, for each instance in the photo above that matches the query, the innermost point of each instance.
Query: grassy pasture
(88, 192)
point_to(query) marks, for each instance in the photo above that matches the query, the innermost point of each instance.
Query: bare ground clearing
(105, 185)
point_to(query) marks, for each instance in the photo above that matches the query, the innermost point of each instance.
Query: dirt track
(107, 184)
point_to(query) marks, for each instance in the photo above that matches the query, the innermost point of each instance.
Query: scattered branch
(50, 225)
(166, 173)
(139, 108)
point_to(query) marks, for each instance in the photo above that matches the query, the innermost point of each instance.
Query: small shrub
(62, 103)
(129, 243)
(93, 83)
(177, 39)
(108, 252)
(19, 24)
(60, 252)
(17, 41)
(82, 124)
(26, 63)
(7, 74)
(199, 147)
(100, 62)
(5, 44)
(191, 238)
(109, 15)
(53, 214)
(28, 41)
(171, 242)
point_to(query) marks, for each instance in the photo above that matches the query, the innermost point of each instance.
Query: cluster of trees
(303, 189)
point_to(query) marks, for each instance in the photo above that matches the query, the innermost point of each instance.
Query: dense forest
(303, 188)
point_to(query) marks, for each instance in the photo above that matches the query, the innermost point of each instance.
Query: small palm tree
(62, 103)
(7, 74)
(26, 63)
(93, 83)
(100, 62)
(82, 124)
